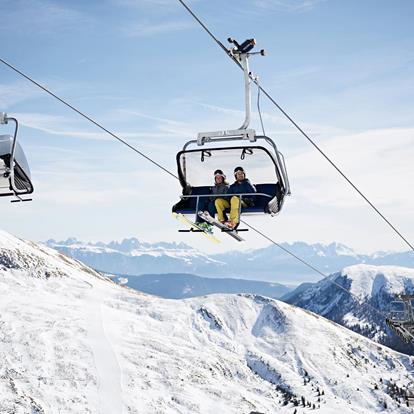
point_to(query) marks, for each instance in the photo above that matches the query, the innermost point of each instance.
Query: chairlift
(15, 177)
(226, 149)
(401, 317)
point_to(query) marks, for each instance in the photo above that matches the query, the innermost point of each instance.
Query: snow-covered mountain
(371, 286)
(182, 286)
(271, 263)
(72, 341)
(268, 264)
(132, 257)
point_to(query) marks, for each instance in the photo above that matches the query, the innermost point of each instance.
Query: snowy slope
(73, 342)
(374, 286)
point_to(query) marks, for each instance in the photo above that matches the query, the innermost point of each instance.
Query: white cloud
(39, 16)
(56, 125)
(17, 92)
(377, 161)
(274, 121)
(146, 3)
(153, 29)
(67, 127)
(140, 114)
(288, 5)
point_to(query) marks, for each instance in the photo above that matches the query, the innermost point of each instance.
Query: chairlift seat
(189, 205)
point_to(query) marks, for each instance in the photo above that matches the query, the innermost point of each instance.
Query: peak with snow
(74, 342)
(132, 257)
(359, 297)
(369, 281)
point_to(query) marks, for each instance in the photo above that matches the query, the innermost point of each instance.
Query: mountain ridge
(374, 287)
(182, 286)
(101, 346)
(130, 256)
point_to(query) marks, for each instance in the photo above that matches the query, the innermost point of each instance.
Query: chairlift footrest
(22, 200)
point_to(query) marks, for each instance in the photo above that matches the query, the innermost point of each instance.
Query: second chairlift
(15, 177)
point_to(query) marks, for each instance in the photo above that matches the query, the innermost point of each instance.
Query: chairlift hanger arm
(4, 120)
(240, 53)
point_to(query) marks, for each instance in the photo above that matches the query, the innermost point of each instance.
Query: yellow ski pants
(234, 206)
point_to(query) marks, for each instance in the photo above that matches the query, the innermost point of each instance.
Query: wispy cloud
(68, 127)
(39, 16)
(140, 114)
(148, 3)
(56, 125)
(275, 121)
(16, 92)
(288, 5)
(377, 161)
(144, 29)
(165, 127)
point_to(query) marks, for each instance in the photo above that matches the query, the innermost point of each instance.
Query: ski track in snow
(106, 363)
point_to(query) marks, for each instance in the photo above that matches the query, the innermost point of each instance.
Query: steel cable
(301, 130)
(100, 126)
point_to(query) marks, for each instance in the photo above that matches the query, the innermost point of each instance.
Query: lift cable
(100, 126)
(173, 175)
(300, 129)
(325, 276)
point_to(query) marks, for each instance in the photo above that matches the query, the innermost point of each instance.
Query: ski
(194, 227)
(233, 233)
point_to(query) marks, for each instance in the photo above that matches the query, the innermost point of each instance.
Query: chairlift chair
(242, 146)
(15, 177)
(401, 320)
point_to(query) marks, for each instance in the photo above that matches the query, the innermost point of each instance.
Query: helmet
(238, 169)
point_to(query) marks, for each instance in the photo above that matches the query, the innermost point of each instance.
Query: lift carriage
(15, 179)
(401, 317)
(257, 154)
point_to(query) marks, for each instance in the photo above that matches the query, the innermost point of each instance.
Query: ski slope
(72, 341)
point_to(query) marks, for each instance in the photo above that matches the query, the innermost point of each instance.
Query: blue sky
(144, 69)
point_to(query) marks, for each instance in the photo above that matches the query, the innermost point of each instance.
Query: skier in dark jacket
(241, 186)
(219, 189)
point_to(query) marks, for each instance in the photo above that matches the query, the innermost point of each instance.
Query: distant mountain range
(133, 257)
(182, 286)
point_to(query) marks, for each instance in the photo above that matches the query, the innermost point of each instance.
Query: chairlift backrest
(15, 177)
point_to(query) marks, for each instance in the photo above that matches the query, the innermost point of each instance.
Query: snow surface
(72, 341)
(367, 280)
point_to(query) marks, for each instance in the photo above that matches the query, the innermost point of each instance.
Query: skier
(220, 188)
(240, 186)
